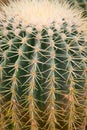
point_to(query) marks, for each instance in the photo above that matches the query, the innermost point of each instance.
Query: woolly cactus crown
(38, 12)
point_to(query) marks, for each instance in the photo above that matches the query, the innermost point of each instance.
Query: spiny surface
(43, 67)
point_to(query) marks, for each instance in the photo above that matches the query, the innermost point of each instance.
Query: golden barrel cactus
(43, 66)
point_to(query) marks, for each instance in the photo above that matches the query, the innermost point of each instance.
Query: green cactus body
(43, 66)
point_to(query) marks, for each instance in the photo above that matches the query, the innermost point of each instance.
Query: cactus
(43, 66)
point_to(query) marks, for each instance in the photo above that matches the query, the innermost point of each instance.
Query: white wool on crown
(44, 12)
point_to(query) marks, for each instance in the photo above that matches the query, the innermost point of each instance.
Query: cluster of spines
(62, 56)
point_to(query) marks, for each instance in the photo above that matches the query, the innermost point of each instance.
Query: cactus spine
(43, 66)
